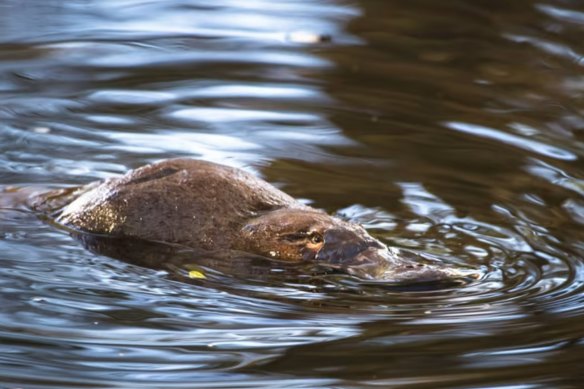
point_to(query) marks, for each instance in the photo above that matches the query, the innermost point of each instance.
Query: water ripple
(456, 142)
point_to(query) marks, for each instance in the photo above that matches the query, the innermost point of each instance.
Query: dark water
(454, 129)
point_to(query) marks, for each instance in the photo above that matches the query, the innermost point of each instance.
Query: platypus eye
(295, 237)
(316, 238)
(312, 238)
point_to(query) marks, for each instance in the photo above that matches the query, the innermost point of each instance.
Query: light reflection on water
(449, 130)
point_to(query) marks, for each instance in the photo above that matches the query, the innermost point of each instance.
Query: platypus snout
(389, 265)
(350, 249)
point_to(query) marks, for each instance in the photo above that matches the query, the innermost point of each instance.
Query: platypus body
(212, 207)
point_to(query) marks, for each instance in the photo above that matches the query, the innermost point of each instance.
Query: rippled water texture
(451, 129)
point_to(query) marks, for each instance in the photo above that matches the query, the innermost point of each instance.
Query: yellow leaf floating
(197, 274)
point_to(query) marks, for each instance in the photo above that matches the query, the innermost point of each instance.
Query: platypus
(213, 207)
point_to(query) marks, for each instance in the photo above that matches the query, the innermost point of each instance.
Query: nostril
(409, 266)
(420, 265)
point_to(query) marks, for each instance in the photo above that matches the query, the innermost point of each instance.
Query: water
(453, 129)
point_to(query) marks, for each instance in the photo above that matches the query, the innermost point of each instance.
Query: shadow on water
(451, 130)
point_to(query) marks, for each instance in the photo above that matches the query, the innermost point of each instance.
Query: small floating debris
(307, 37)
(195, 272)
(41, 130)
(197, 275)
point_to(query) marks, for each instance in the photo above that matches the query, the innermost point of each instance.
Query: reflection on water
(450, 129)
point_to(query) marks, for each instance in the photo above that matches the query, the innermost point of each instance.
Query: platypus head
(308, 235)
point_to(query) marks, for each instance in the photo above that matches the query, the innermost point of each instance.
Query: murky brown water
(454, 129)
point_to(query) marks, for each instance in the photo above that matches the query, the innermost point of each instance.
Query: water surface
(451, 129)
